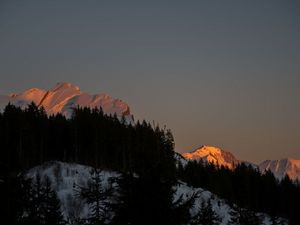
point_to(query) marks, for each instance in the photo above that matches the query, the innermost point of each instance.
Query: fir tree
(275, 220)
(20, 194)
(39, 202)
(36, 201)
(97, 197)
(148, 200)
(243, 216)
(51, 205)
(181, 208)
(206, 215)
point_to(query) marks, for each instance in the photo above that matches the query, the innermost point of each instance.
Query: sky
(221, 73)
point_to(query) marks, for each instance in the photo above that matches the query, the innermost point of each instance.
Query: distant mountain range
(65, 96)
(217, 156)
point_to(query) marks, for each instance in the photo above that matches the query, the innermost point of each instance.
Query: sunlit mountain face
(213, 155)
(280, 168)
(64, 97)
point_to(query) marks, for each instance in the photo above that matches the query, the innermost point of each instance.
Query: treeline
(247, 187)
(29, 137)
(144, 154)
(34, 202)
(126, 199)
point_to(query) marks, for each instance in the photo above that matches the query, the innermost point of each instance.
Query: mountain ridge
(282, 167)
(211, 154)
(63, 97)
(220, 157)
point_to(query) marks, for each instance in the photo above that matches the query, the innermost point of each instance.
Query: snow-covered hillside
(65, 179)
(66, 176)
(65, 96)
(213, 155)
(179, 159)
(280, 168)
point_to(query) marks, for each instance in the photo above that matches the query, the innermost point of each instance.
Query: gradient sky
(223, 73)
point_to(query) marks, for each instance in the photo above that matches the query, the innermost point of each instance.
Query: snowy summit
(65, 96)
(282, 167)
(213, 155)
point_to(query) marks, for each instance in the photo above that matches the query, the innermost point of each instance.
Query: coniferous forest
(143, 153)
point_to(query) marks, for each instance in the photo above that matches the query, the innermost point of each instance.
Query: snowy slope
(213, 155)
(280, 168)
(65, 176)
(219, 205)
(179, 159)
(65, 96)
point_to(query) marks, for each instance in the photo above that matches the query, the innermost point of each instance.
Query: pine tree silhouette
(206, 215)
(39, 202)
(51, 205)
(97, 197)
(243, 216)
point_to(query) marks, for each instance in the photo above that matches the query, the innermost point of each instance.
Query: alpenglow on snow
(64, 97)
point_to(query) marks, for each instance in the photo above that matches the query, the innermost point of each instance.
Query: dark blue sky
(223, 73)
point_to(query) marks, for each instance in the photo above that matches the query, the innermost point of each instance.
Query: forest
(143, 153)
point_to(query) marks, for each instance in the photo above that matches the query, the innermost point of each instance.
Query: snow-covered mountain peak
(213, 155)
(64, 86)
(219, 157)
(33, 94)
(56, 98)
(63, 97)
(282, 167)
(210, 149)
